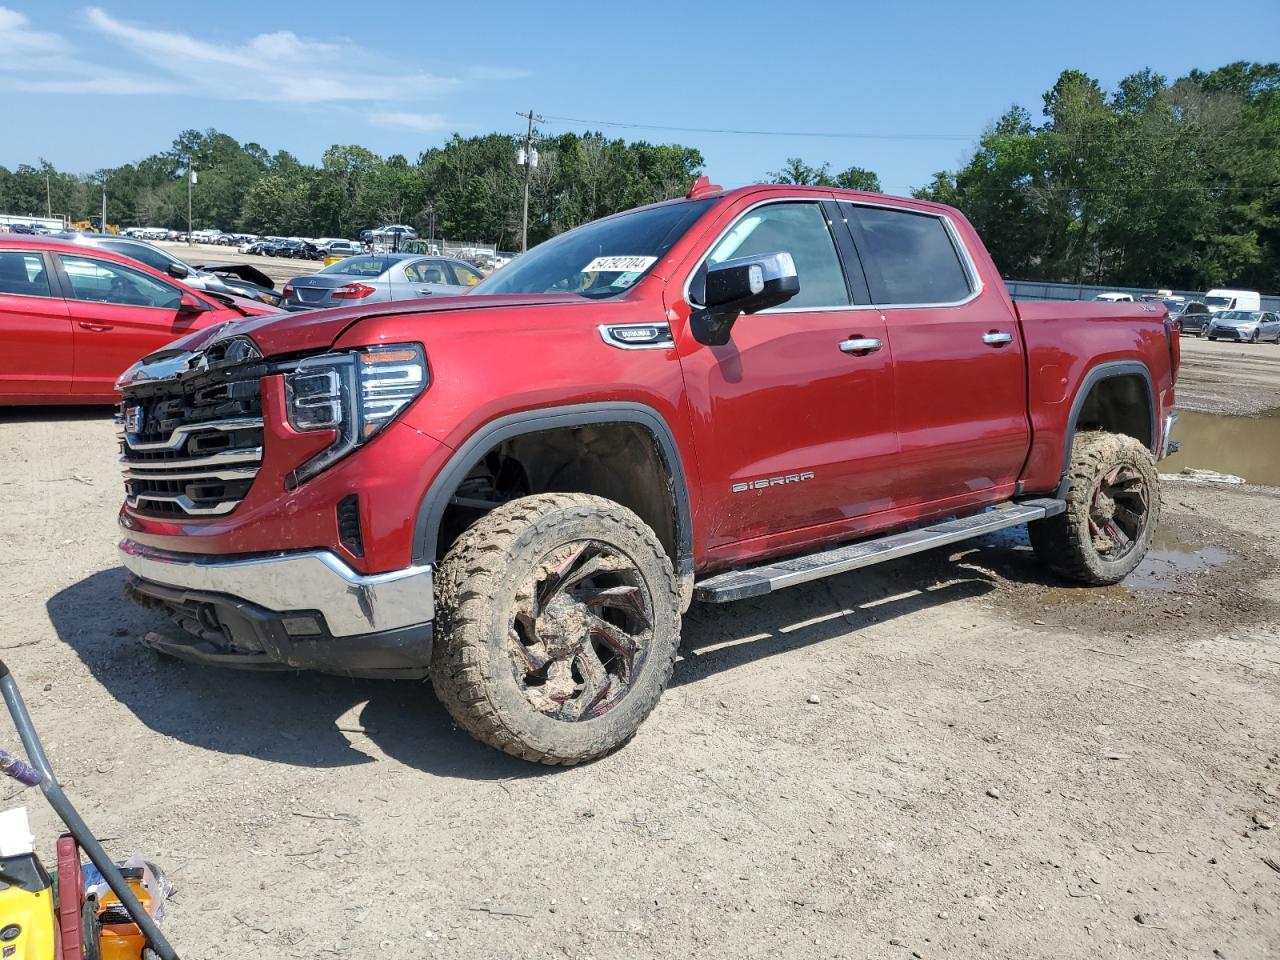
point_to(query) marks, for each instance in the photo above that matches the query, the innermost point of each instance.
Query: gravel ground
(952, 755)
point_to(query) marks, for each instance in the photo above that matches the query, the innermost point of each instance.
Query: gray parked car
(371, 279)
(1250, 325)
(233, 279)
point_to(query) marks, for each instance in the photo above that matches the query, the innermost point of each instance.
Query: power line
(844, 135)
(766, 133)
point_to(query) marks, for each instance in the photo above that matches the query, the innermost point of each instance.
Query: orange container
(120, 938)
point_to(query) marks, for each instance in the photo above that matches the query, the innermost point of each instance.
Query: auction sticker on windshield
(616, 264)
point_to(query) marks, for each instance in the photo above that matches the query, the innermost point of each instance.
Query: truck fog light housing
(355, 394)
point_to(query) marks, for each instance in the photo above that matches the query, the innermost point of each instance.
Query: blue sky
(87, 86)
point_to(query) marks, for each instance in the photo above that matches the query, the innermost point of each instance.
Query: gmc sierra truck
(520, 491)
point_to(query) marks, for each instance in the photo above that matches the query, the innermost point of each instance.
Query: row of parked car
(93, 304)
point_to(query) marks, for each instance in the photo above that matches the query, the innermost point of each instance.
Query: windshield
(363, 266)
(601, 259)
(1217, 301)
(1239, 316)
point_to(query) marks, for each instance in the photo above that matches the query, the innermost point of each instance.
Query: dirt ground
(997, 765)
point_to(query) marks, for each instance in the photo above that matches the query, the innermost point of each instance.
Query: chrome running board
(757, 581)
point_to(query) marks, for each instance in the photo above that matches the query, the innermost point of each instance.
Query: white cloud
(269, 67)
(497, 73)
(424, 122)
(43, 62)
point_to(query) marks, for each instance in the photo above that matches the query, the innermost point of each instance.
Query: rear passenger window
(913, 255)
(23, 274)
(799, 229)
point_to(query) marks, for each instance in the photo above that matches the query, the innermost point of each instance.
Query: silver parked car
(371, 279)
(1251, 325)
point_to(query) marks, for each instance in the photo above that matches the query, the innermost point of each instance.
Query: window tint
(913, 255)
(799, 229)
(101, 282)
(466, 277)
(23, 273)
(428, 271)
(152, 257)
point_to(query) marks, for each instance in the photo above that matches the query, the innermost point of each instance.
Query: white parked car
(1115, 297)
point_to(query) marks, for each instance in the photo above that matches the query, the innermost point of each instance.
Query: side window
(101, 282)
(152, 257)
(465, 276)
(22, 272)
(801, 230)
(912, 254)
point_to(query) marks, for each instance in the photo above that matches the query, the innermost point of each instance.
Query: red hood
(285, 333)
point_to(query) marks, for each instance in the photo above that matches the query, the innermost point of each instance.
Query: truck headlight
(355, 393)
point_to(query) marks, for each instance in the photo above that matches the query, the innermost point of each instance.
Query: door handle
(997, 338)
(95, 327)
(425, 291)
(860, 345)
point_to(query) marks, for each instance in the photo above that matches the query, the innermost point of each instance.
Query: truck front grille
(191, 448)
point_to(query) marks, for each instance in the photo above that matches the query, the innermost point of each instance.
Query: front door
(36, 345)
(118, 316)
(794, 432)
(960, 381)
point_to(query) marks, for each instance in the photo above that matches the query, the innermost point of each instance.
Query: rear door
(118, 315)
(959, 362)
(36, 343)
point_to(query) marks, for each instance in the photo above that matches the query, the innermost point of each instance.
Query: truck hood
(304, 332)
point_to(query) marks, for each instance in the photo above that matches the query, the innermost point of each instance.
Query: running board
(757, 581)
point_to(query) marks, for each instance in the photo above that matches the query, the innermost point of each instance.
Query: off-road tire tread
(464, 586)
(1062, 542)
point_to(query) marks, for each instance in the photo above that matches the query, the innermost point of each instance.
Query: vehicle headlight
(355, 393)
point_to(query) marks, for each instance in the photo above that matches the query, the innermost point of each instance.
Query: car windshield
(1217, 301)
(601, 259)
(1238, 316)
(362, 266)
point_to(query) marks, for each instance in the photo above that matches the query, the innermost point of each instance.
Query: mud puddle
(1247, 447)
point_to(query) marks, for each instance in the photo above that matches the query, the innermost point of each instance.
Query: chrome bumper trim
(352, 603)
(1170, 421)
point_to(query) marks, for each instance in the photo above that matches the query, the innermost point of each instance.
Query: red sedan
(73, 318)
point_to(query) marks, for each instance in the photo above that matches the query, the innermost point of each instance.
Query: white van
(1115, 297)
(1218, 300)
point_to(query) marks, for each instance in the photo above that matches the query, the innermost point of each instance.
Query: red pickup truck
(519, 492)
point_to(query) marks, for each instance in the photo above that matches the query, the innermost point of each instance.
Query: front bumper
(305, 609)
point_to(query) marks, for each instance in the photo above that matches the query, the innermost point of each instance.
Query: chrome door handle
(860, 345)
(997, 338)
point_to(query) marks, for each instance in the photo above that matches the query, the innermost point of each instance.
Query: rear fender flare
(1094, 376)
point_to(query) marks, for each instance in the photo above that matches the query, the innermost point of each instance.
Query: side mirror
(738, 286)
(179, 271)
(189, 306)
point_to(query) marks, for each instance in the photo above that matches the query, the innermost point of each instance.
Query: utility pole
(528, 156)
(102, 227)
(191, 178)
(48, 198)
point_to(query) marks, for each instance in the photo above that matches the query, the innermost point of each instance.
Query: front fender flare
(431, 510)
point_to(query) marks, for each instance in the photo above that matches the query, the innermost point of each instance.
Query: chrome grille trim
(180, 434)
(219, 459)
(230, 473)
(186, 503)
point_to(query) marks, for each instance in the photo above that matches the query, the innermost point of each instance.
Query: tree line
(1155, 183)
(470, 188)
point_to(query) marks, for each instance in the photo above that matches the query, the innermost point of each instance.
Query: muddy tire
(1113, 506)
(1254, 338)
(558, 621)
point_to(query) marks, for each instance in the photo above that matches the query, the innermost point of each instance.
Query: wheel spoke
(615, 638)
(1113, 531)
(559, 686)
(629, 599)
(553, 584)
(597, 683)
